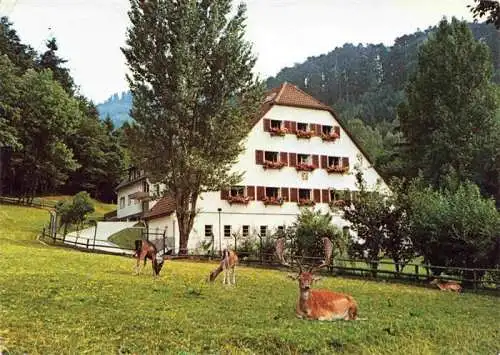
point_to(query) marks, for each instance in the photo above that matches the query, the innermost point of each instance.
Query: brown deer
(317, 304)
(227, 264)
(447, 286)
(145, 249)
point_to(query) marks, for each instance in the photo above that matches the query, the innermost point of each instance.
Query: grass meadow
(61, 301)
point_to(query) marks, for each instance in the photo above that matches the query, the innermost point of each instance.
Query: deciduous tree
(194, 96)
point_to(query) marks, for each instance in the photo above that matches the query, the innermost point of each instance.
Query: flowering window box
(306, 202)
(336, 169)
(305, 167)
(241, 200)
(273, 201)
(304, 134)
(278, 131)
(329, 137)
(268, 164)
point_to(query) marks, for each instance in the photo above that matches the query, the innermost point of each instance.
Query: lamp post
(220, 240)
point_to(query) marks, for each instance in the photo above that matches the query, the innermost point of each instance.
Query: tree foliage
(488, 8)
(381, 223)
(454, 225)
(450, 114)
(51, 138)
(50, 60)
(74, 211)
(194, 95)
(306, 233)
(48, 115)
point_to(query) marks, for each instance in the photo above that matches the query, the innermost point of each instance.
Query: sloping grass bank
(58, 301)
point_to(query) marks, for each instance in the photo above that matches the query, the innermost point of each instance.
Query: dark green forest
(51, 137)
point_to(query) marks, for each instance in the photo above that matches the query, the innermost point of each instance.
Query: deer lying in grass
(316, 304)
(227, 264)
(145, 249)
(447, 286)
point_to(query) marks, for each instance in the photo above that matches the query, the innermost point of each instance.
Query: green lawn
(126, 238)
(100, 207)
(59, 301)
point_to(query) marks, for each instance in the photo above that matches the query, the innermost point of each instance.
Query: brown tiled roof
(290, 95)
(164, 207)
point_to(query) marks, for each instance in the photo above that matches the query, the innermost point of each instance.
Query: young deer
(317, 304)
(227, 264)
(145, 249)
(447, 286)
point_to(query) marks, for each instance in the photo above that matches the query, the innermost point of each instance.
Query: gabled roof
(290, 95)
(164, 207)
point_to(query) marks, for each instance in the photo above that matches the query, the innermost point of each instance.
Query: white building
(297, 154)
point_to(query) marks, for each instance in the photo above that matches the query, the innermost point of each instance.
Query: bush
(306, 234)
(455, 226)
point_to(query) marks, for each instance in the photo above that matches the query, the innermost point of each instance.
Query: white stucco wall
(256, 214)
(132, 206)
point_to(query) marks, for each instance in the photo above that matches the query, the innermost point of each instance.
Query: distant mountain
(117, 107)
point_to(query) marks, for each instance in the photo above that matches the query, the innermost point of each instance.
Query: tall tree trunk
(186, 213)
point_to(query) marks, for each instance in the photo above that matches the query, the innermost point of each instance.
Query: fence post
(260, 247)
(95, 234)
(88, 243)
(416, 273)
(475, 279)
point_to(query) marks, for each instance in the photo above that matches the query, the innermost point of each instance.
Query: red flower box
(273, 164)
(304, 134)
(305, 167)
(335, 169)
(241, 200)
(278, 131)
(330, 137)
(306, 202)
(273, 201)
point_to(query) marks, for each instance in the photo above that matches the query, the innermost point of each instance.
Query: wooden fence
(488, 279)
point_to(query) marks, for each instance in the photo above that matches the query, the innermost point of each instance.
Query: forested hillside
(359, 81)
(51, 137)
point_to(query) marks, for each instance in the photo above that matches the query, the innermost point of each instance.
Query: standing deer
(317, 304)
(227, 264)
(145, 249)
(447, 286)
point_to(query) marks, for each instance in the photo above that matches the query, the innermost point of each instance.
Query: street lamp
(220, 240)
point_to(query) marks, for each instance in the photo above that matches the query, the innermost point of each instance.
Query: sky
(283, 32)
